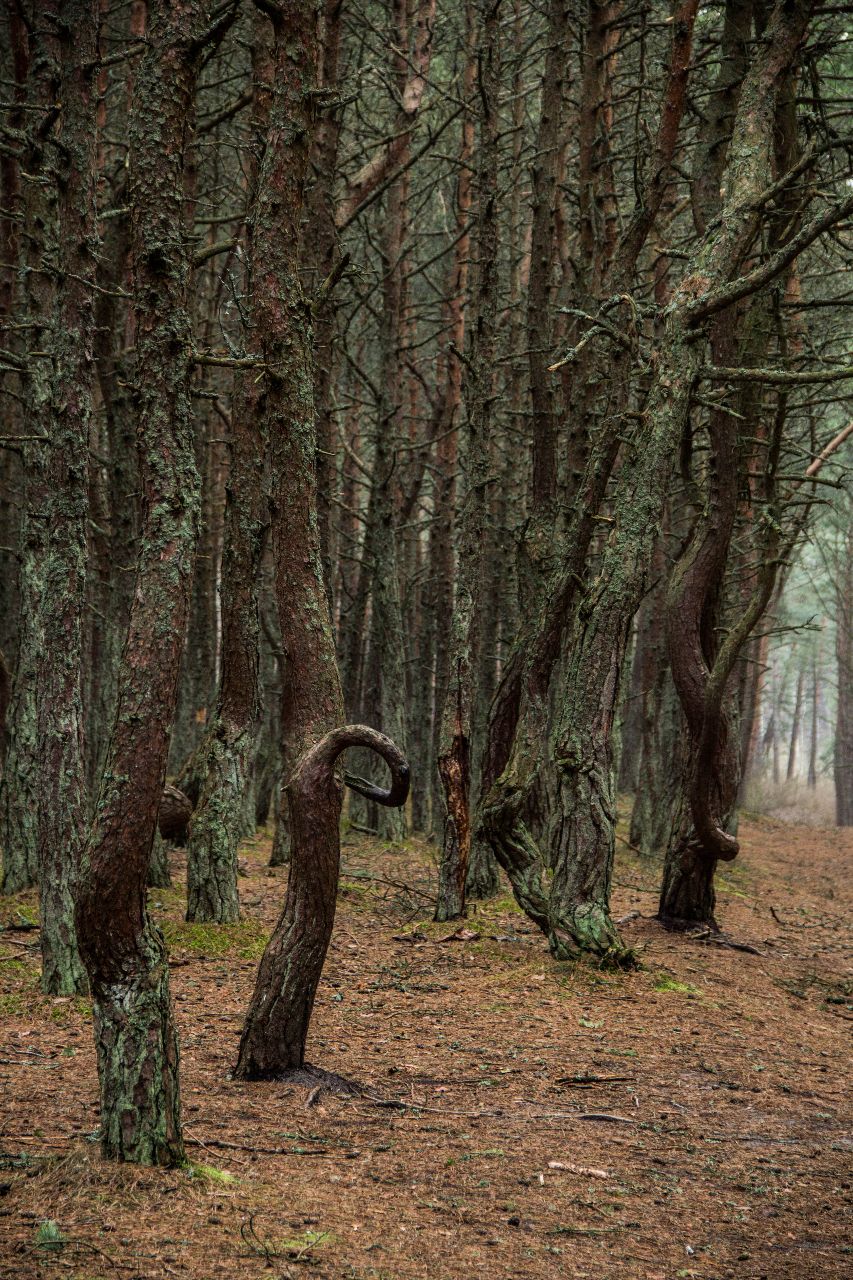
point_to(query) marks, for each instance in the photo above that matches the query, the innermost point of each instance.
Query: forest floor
(689, 1119)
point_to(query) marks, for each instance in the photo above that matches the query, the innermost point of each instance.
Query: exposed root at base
(314, 1078)
(675, 924)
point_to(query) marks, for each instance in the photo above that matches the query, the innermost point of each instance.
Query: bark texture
(219, 821)
(312, 705)
(126, 963)
(455, 749)
(276, 1028)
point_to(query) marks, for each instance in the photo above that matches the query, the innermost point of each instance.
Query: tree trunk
(276, 1028)
(659, 717)
(134, 1029)
(45, 801)
(795, 726)
(577, 918)
(219, 820)
(277, 1022)
(843, 754)
(455, 747)
(813, 737)
(11, 461)
(60, 760)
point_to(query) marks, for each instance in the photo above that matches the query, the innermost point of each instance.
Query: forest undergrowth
(520, 1117)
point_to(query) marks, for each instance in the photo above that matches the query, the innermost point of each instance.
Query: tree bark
(47, 755)
(277, 1021)
(582, 836)
(134, 1029)
(218, 823)
(455, 747)
(276, 1028)
(843, 752)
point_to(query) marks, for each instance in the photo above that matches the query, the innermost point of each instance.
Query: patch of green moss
(209, 1173)
(81, 1006)
(246, 938)
(14, 1005)
(663, 982)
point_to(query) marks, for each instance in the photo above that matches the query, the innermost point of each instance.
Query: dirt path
(688, 1120)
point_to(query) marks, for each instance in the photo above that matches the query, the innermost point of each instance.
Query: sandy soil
(691, 1119)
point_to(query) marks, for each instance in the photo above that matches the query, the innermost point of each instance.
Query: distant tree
(455, 742)
(226, 754)
(843, 753)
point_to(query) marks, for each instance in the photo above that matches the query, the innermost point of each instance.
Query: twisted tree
(312, 707)
(276, 1027)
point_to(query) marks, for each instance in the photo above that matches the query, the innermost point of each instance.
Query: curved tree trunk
(701, 665)
(134, 1029)
(312, 703)
(577, 917)
(274, 1035)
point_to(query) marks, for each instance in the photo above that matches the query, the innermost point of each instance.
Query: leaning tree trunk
(276, 1028)
(135, 1034)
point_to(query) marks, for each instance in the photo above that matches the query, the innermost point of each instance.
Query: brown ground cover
(690, 1119)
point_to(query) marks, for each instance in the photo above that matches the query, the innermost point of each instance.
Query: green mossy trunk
(19, 802)
(45, 777)
(159, 872)
(584, 824)
(63, 797)
(138, 1063)
(215, 832)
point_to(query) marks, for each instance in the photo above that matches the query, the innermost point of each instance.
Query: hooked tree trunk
(312, 710)
(276, 1027)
